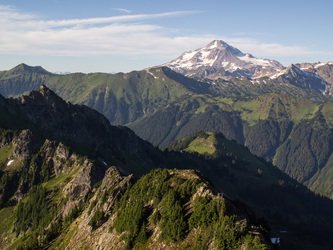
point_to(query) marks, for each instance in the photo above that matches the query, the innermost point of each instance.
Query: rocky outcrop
(25, 144)
(112, 188)
(104, 235)
(81, 185)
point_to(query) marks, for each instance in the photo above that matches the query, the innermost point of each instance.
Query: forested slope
(48, 170)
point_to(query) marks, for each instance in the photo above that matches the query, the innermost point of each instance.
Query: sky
(122, 36)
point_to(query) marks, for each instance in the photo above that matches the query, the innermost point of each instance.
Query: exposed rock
(25, 144)
(6, 139)
(112, 188)
(79, 187)
(61, 155)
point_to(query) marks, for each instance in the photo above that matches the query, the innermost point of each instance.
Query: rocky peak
(217, 44)
(77, 126)
(41, 101)
(43, 89)
(24, 68)
(47, 94)
(218, 56)
(309, 81)
(294, 70)
(324, 70)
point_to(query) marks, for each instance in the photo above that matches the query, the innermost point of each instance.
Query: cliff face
(118, 217)
(66, 179)
(61, 186)
(104, 199)
(59, 199)
(83, 129)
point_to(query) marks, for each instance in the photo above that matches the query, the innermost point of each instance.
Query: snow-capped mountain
(220, 60)
(304, 79)
(324, 70)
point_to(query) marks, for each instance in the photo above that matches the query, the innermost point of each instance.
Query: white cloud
(8, 12)
(126, 34)
(27, 34)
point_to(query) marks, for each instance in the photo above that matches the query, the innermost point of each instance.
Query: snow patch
(151, 74)
(225, 64)
(205, 60)
(213, 46)
(278, 74)
(10, 162)
(188, 55)
(320, 64)
(233, 67)
(256, 61)
(275, 241)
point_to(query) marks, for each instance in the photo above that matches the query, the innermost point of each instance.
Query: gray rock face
(25, 144)
(113, 186)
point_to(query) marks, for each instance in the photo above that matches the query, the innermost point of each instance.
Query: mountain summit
(221, 60)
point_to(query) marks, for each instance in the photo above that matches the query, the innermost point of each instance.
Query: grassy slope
(250, 110)
(266, 124)
(7, 218)
(122, 98)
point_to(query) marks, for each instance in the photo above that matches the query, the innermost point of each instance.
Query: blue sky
(121, 36)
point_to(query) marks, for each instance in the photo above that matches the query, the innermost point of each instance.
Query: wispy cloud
(125, 34)
(122, 10)
(105, 20)
(28, 34)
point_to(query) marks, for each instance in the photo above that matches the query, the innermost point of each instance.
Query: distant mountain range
(219, 60)
(283, 114)
(220, 56)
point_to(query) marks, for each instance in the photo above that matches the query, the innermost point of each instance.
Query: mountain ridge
(139, 98)
(219, 60)
(35, 163)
